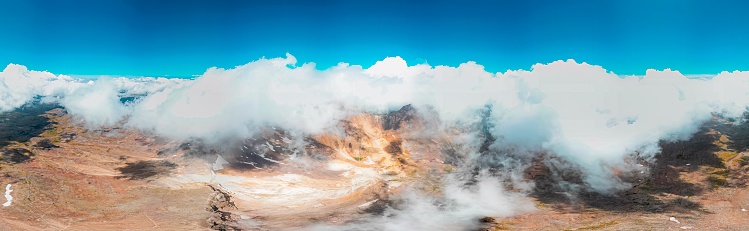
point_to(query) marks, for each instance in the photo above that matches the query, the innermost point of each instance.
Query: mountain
(392, 171)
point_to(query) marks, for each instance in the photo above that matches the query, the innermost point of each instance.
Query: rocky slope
(67, 176)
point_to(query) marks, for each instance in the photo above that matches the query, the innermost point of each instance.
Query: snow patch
(368, 203)
(8, 196)
(270, 146)
(219, 163)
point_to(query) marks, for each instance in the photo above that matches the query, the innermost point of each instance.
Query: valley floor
(117, 179)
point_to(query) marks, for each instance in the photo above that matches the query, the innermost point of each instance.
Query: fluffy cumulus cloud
(97, 102)
(18, 86)
(590, 117)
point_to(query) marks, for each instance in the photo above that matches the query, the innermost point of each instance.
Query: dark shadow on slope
(268, 149)
(15, 155)
(24, 123)
(683, 156)
(45, 144)
(738, 131)
(145, 168)
(675, 158)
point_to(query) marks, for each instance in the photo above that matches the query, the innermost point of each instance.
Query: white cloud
(18, 86)
(588, 116)
(459, 208)
(98, 103)
(582, 113)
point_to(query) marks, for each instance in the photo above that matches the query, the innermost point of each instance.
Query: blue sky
(183, 38)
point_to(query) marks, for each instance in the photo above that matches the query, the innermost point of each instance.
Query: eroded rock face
(394, 120)
(220, 206)
(270, 148)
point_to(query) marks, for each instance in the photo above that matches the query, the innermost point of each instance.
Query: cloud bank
(590, 117)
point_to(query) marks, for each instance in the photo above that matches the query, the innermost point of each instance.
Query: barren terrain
(67, 177)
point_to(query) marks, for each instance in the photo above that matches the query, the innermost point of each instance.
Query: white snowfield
(219, 163)
(8, 196)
